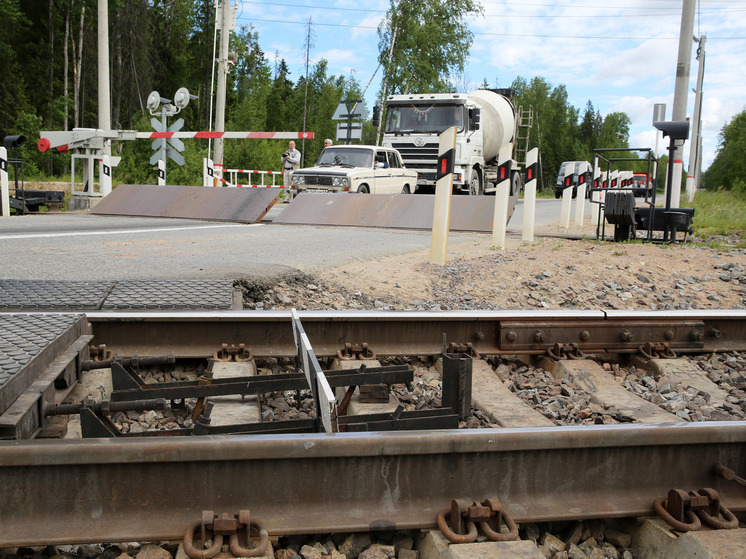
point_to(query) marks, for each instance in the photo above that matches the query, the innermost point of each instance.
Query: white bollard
(4, 189)
(565, 211)
(443, 195)
(529, 196)
(595, 195)
(500, 217)
(580, 207)
(104, 176)
(502, 198)
(161, 172)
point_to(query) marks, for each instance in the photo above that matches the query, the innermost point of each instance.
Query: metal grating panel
(30, 295)
(171, 295)
(31, 342)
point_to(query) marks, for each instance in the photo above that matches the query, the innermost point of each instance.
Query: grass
(719, 213)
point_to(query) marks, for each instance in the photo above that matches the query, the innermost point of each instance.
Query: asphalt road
(81, 246)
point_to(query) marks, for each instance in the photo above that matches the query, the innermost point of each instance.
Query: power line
(522, 35)
(370, 11)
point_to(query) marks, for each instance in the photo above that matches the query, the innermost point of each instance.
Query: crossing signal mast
(167, 145)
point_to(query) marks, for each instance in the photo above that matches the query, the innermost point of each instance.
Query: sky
(619, 54)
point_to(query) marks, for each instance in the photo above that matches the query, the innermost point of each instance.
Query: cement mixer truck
(486, 122)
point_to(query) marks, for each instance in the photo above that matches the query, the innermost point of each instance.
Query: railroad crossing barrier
(241, 205)
(93, 141)
(394, 211)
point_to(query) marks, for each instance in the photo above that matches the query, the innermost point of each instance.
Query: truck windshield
(346, 156)
(423, 119)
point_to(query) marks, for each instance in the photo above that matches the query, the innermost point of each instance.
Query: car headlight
(300, 179)
(341, 181)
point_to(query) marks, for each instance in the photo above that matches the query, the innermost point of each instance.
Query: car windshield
(423, 119)
(346, 157)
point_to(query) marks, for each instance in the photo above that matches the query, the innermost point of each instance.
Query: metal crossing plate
(243, 205)
(170, 295)
(31, 295)
(28, 344)
(397, 211)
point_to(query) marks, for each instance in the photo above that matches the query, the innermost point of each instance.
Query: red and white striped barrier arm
(63, 141)
(229, 135)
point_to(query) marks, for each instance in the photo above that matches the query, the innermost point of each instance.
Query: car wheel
(405, 189)
(557, 194)
(363, 189)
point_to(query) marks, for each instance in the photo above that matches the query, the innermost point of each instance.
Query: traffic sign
(355, 129)
(350, 109)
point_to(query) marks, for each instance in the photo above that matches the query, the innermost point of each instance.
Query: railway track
(356, 462)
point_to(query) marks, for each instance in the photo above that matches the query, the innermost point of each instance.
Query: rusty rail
(268, 333)
(57, 492)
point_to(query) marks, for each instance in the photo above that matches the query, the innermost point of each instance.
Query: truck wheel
(363, 189)
(515, 185)
(476, 188)
(405, 189)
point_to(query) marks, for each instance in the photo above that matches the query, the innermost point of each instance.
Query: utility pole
(680, 95)
(386, 81)
(104, 96)
(695, 153)
(226, 23)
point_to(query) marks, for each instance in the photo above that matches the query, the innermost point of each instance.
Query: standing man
(290, 162)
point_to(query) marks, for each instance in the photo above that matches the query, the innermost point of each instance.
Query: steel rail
(55, 492)
(268, 333)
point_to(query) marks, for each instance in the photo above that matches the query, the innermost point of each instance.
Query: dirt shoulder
(550, 273)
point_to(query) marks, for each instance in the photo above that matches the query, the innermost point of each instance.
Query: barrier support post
(161, 172)
(104, 176)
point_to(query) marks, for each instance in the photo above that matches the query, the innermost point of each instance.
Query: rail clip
(238, 530)
(686, 512)
(462, 520)
(565, 351)
(356, 351)
(232, 352)
(657, 351)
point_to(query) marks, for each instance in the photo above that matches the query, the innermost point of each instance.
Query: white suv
(362, 169)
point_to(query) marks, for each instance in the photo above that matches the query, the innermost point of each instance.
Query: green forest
(49, 53)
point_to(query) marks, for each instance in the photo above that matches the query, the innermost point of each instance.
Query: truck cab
(484, 121)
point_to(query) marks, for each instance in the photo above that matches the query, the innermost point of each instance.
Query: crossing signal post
(164, 144)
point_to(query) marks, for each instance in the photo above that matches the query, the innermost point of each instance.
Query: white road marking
(121, 231)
